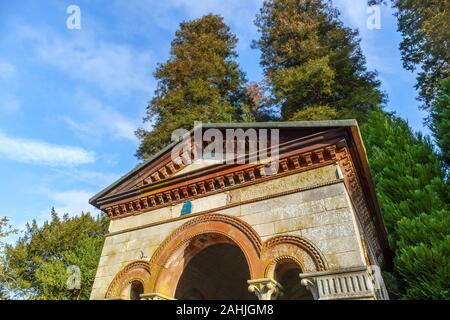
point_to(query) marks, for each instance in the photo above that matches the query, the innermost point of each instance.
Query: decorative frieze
(357, 196)
(307, 157)
(230, 178)
(284, 165)
(295, 161)
(176, 193)
(193, 189)
(319, 155)
(221, 182)
(185, 192)
(155, 176)
(164, 173)
(171, 167)
(251, 174)
(152, 201)
(202, 187)
(241, 177)
(269, 170)
(168, 196)
(211, 184)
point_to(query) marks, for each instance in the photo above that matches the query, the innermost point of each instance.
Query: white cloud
(94, 179)
(110, 119)
(101, 120)
(115, 68)
(7, 69)
(9, 104)
(43, 153)
(72, 202)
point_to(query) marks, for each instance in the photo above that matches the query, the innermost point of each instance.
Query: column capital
(265, 289)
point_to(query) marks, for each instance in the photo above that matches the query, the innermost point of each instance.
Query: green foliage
(257, 107)
(315, 113)
(312, 61)
(440, 116)
(201, 81)
(5, 231)
(425, 26)
(37, 263)
(414, 199)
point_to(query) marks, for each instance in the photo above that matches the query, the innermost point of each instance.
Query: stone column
(154, 296)
(265, 289)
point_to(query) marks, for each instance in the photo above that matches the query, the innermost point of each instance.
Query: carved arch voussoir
(176, 250)
(269, 271)
(138, 270)
(235, 222)
(273, 255)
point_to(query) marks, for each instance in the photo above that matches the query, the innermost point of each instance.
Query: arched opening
(219, 271)
(186, 242)
(136, 289)
(287, 274)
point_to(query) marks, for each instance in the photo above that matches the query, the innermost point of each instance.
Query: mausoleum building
(300, 222)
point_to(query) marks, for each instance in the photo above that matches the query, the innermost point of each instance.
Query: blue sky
(70, 100)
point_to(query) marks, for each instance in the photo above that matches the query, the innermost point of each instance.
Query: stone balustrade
(353, 283)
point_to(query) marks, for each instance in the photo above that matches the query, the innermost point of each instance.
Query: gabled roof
(327, 124)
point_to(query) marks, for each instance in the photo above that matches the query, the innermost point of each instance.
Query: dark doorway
(287, 274)
(219, 271)
(136, 290)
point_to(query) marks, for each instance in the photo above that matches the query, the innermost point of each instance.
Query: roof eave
(271, 125)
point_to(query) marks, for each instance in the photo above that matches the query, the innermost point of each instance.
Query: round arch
(185, 242)
(135, 271)
(291, 248)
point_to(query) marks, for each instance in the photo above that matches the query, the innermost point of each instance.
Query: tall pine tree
(201, 81)
(414, 199)
(312, 63)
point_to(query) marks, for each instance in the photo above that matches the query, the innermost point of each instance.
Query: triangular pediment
(164, 166)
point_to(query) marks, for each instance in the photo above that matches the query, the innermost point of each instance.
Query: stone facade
(307, 216)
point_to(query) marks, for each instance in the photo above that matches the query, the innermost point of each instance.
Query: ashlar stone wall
(314, 205)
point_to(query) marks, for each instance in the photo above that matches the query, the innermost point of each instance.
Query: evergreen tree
(425, 26)
(38, 262)
(201, 81)
(414, 199)
(440, 124)
(5, 231)
(312, 63)
(258, 107)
